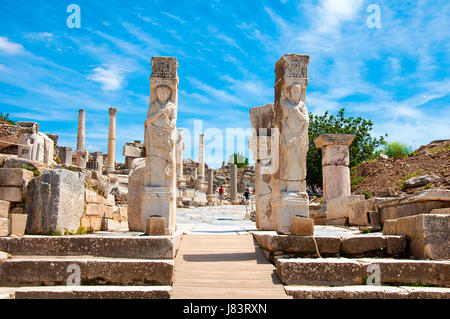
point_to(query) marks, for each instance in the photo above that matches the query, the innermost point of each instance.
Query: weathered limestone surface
(335, 162)
(29, 270)
(55, 201)
(347, 292)
(11, 194)
(4, 208)
(159, 196)
(94, 292)
(429, 234)
(291, 122)
(357, 211)
(420, 203)
(4, 227)
(338, 207)
(112, 139)
(135, 191)
(262, 118)
(210, 180)
(65, 155)
(315, 272)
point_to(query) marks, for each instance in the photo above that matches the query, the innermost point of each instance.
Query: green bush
(397, 150)
(363, 147)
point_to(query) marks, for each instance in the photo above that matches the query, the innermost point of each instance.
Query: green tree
(5, 118)
(363, 147)
(239, 160)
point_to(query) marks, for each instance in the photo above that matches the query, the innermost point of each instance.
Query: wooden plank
(224, 266)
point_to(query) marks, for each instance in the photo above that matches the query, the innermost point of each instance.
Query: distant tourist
(221, 192)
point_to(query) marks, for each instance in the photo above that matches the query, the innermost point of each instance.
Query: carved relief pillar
(233, 184)
(159, 198)
(110, 163)
(260, 143)
(200, 183)
(289, 198)
(335, 162)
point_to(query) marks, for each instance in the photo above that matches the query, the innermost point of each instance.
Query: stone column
(260, 143)
(233, 185)
(194, 173)
(82, 154)
(181, 181)
(201, 157)
(288, 183)
(335, 162)
(159, 198)
(81, 130)
(110, 163)
(210, 179)
(65, 155)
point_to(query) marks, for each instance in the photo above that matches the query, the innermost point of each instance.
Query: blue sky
(397, 75)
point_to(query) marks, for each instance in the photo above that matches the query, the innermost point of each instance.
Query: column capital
(334, 139)
(112, 111)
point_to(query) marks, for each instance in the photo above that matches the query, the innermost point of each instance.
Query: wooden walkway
(224, 267)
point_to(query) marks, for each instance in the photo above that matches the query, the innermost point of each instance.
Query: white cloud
(10, 47)
(109, 78)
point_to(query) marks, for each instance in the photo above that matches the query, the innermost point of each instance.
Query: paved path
(222, 267)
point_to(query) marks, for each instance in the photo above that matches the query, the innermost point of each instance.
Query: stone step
(89, 292)
(343, 271)
(50, 271)
(148, 247)
(354, 245)
(367, 292)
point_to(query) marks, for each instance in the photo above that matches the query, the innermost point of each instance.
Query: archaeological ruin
(162, 225)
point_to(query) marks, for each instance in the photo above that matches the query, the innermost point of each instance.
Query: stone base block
(339, 207)
(302, 226)
(18, 223)
(156, 226)
(159, 201)
(285, 208)
(428, 234)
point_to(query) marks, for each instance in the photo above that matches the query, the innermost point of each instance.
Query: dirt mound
(386, 177)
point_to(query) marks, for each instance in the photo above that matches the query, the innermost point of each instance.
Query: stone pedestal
(291, 122)
(65, 155)
(82, 158)
(335, 162)
(110, 163)
(159, 197)
(260, 143)
(96, 162)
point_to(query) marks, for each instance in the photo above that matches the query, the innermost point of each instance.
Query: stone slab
(4, 227)
(319, 272)
(148, 247)
(94, 292)
(404, 271)
(338, 207)
(360, 244)
(11, 193)
(15, 177)
(346, 292)
(26, 271)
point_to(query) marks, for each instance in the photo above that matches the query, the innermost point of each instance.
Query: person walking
(221, 192)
